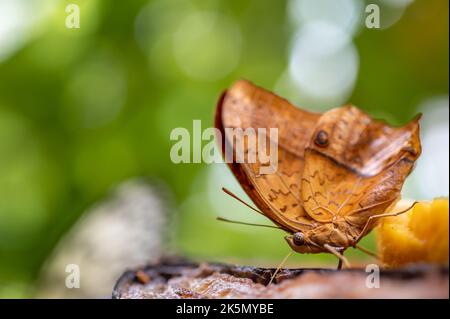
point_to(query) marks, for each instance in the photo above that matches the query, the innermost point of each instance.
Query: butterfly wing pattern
(277, 195)
(339, 165)
(355, 166)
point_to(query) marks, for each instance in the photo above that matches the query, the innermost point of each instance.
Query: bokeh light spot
(324, 64)
(207, 45)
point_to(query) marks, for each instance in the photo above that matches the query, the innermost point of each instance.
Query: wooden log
(185, 280)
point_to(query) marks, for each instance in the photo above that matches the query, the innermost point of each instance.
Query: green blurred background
(83, 110)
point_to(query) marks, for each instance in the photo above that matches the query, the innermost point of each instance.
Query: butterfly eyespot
(321, 138)
(298, 239)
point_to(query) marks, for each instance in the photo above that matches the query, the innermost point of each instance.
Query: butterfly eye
(322, 138)
(298, 239)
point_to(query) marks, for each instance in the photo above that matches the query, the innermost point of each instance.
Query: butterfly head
(301, 244)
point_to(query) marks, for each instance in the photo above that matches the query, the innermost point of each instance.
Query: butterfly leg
(373, 217)
(366, 251)
(336, 251)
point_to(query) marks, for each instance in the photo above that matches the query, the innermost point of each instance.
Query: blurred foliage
(84, 109)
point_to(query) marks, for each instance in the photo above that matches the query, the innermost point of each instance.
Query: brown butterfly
(337, 173)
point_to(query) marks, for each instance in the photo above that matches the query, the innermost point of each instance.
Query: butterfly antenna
(240, 200)
(244, 223)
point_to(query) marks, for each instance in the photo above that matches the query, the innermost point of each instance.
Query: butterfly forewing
(276, 194)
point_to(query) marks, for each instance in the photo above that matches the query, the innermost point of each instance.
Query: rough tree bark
(180, 279)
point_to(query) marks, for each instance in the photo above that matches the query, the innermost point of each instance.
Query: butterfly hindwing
(355, 166)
